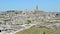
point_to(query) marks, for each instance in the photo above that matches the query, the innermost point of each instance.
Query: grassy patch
(34, 30)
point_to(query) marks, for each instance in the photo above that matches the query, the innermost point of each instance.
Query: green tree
(28, 21)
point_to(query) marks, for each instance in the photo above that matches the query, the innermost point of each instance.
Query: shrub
(28, 21)
(44, 32)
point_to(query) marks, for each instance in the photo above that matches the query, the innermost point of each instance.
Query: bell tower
(36, 8)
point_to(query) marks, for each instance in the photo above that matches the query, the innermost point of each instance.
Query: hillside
(34, 30)
(11, 21)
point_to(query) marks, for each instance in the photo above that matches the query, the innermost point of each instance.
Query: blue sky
(46, 5)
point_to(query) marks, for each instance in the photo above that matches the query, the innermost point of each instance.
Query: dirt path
(23, 28)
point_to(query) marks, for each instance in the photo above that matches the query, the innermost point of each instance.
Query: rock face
(53, 26)
(49, 26)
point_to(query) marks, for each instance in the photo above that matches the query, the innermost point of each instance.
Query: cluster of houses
(10, 20)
